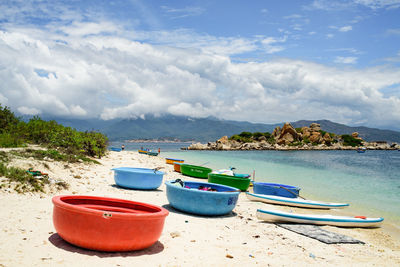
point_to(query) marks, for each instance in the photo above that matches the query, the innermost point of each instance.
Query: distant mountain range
(206, 129)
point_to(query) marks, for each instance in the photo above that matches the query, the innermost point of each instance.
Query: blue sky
(260, 61)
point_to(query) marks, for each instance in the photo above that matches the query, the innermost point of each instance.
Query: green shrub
(349, 140)
(235, 137)
(7, 119)
(267, 135)
(9, 140)
(257, 135)
(246, 134)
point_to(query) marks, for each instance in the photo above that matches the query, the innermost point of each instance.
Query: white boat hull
(344, 221)
(295, 202)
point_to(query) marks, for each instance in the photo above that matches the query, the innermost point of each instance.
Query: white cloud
(28, 111)
(97, 68)
(393, 31)
(109, 77)
(177, 13)
(377, 4)
(270, 44)
(346, 60)
(335, 5)
(345, 28)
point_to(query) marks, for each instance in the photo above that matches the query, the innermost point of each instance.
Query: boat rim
(234, 190)
(59, 202)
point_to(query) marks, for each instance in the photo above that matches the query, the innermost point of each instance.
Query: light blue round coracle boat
(138, 178)
(188, 198)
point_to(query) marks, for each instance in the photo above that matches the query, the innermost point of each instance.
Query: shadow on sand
(173, 210)
(58, 242)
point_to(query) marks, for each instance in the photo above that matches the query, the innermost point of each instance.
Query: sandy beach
(28, 237)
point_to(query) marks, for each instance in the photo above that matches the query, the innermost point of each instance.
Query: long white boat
(327, 219)
(294, 202)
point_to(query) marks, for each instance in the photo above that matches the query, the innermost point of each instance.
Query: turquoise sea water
(369, 182)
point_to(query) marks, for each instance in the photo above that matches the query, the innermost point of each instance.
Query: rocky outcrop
(223, 140)
(315, 127)
(287, 135)
(288, 138)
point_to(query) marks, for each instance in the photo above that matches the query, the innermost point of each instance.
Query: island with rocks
(290, 138)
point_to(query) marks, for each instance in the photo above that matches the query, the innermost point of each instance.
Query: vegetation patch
(16, 133)
(21, 181)
(53, 154)
(248, 137)
(63, 144)
(349, 140)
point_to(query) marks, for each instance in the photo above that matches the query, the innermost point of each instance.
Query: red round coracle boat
(107, 224)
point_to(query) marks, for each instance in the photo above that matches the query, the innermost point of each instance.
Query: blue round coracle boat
(281, 190)
(201, 198)
(138, 178)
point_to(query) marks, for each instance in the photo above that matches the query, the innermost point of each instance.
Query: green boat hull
(195, 171)
(233, 181)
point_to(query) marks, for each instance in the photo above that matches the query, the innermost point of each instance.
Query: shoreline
(263, 146)
(28, 236)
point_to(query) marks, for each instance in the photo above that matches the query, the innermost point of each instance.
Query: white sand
(28, 238)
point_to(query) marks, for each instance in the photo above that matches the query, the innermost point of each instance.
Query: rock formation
(287, 138)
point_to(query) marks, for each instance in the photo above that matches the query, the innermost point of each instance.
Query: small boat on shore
(241, 183)
(107, 224)
(177, 166)
(116, 149)
(138, 178)
(361, 150)
(201, 198)
(172, 161)
(148, 152)
(326, 219)
(195, 171)
(281, 190)
(295, 202)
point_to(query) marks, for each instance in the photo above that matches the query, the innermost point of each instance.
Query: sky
(258, 61)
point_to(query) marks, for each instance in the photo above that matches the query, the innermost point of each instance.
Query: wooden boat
(138, 178)
(294, 202)
(237, 182)
(326, 219)
(177, 166)
(107, 224)
(201, 198)
(172, 161)
(361, 150)
(146, 152)
(195, 171)
(281, 190)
